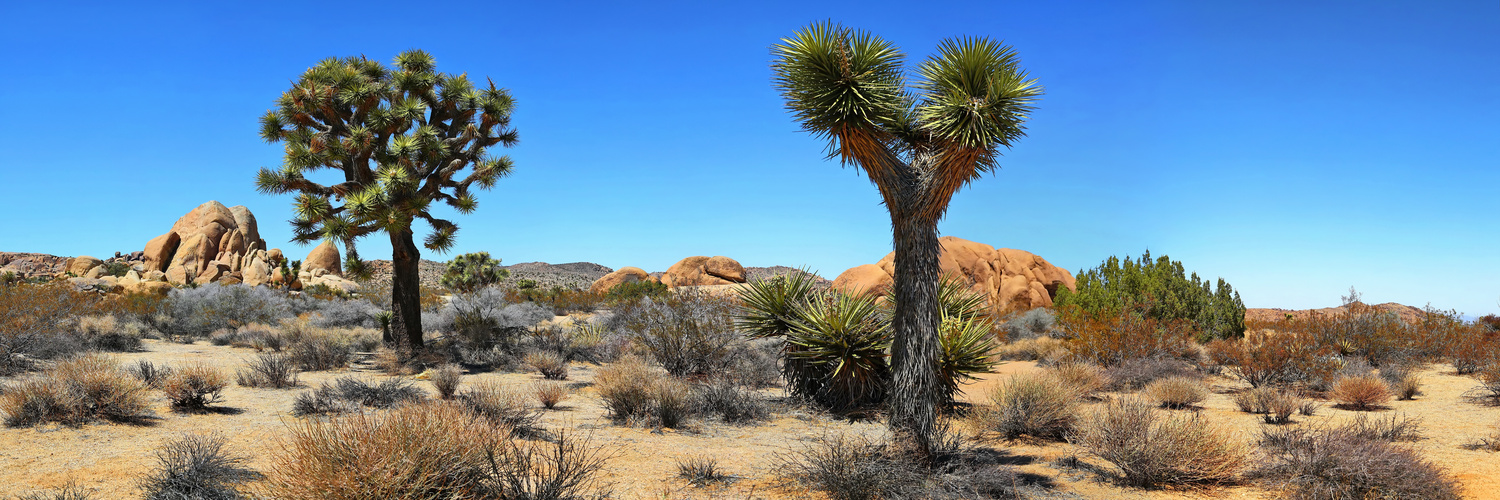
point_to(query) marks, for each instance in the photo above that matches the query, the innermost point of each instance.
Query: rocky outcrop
(323, 257)
(1010, 279)
(29, 265)
(619, 277)
(82, 264)
(211, 243)
(701, 271)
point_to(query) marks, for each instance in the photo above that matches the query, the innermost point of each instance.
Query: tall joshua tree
(919, 144)
(402, 138)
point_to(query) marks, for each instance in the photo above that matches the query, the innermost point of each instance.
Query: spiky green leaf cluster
(473, 271)
(837, 346)
(401, 138)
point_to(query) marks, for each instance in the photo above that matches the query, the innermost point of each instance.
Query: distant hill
(1407, 313)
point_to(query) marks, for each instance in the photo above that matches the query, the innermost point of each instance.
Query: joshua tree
(919, 145)
(470, 272)
(401, 137)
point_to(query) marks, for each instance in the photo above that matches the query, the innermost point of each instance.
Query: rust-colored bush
(1275, 358)
(549, 393)
(1107, 339)
(1362, 392)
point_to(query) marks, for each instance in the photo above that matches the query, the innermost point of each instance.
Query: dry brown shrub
(502, 405)
(80, 389)
(549, 393)
(1177, 392)
(32, 318)
(1085, 378)
(1032, 349)
(1274, 358)
(1344, 463)
(551, 365)
(195, 386)
(419, 451)
(1151, 447)
(1038, 405)
(626, 387)
(1364, 392)
(446, 379)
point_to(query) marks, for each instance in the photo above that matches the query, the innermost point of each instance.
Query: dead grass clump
(69, 491)
(435, 450)
(1177, 392)
(349, 394)
(729, 401)
(198, 467)
(1275, 406)
(551, 365)
(500, 405)
(1364, 392)
(1152, 448)
(446, 379)
(151, 374)
(320, 351)
(549, 393)
(1395, 428)
(701, 470)
(81, 389)
(195, 386)
(1032, 349)
(1487, 443)
(625, 386)
(1085, 378)
(857, 467)
(1339, 463)
(1037, 405)
(269, 369)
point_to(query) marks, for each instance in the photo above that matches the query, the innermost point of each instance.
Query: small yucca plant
(967, 344)
(842, 341)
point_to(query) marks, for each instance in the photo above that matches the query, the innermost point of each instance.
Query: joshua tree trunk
(915, 384)
(406, 291)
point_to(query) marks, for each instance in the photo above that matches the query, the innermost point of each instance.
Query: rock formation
(700, 270)
(322, 267)
(1010, 279)
(30, 265)
(212, 243)
(619, 277)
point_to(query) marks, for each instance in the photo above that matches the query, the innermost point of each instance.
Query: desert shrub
(1360, 392)
(1490, 442)
(857, 467)
(1277, 359)
(270, 369)
(671, 402)
(1031, 324)
(1407, 386)
(701, 470)
(549, 393)
(561, 301)
(551, 365)
(1085, 378)
(966, 345)
(1488, 391)
(756, 364)
(33, 319)
(1034, 349)
(1137, 373)
(195, 312)
(1108, 338)
(196, 467)
(1118, 286)
(319, 351)
(149, 373)
(1177, 392)
(1038, 405)
(107, 333)
(728, 401)
(427, 451)
(349, 394)
(224, 336)
(80, 389)
(1275, 405)
(632, 292)
(194, 387)
(625, 387)
(1337, 463)
(485, 319)
(342, 313)
(1151, 447)
(500, 405)
(446, 379)
(688, 332)
(260, 337)
(1473, 351)
(1396, 427)
(69, 491)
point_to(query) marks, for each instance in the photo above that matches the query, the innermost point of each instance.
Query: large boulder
(695, 271)
(159, 250)
(325, 257)
(81, 265)
(1010, 279)
(619, 277)
(191, 259)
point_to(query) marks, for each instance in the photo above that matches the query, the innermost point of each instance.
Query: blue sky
(1294, 150)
